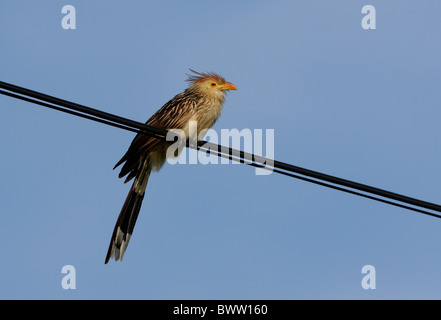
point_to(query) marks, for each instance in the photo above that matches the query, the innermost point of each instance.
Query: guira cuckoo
(202, 102)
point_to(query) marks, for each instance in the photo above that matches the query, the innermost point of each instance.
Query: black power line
(222, 151)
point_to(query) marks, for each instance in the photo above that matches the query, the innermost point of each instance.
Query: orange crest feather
(199, 77)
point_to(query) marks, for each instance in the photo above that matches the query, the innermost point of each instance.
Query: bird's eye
(213, 84)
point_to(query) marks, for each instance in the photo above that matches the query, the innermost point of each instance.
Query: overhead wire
(286, 169)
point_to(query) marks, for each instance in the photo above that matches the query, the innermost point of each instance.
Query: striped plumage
(202, 102)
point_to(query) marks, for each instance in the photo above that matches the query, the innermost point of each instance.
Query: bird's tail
(129, 213)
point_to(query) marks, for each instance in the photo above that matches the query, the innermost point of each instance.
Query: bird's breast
(207, 115)
(204, 117)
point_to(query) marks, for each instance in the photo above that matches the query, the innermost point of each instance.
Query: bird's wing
(173, 115)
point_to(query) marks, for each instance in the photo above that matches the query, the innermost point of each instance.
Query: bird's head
(210, 84)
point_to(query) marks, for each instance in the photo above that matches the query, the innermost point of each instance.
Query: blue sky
(359, 104)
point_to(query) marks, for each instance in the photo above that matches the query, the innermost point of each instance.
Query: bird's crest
(198, 77)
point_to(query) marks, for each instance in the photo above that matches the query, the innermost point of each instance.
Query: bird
(201, 101)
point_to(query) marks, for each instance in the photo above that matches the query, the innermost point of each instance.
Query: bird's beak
(228, 86)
